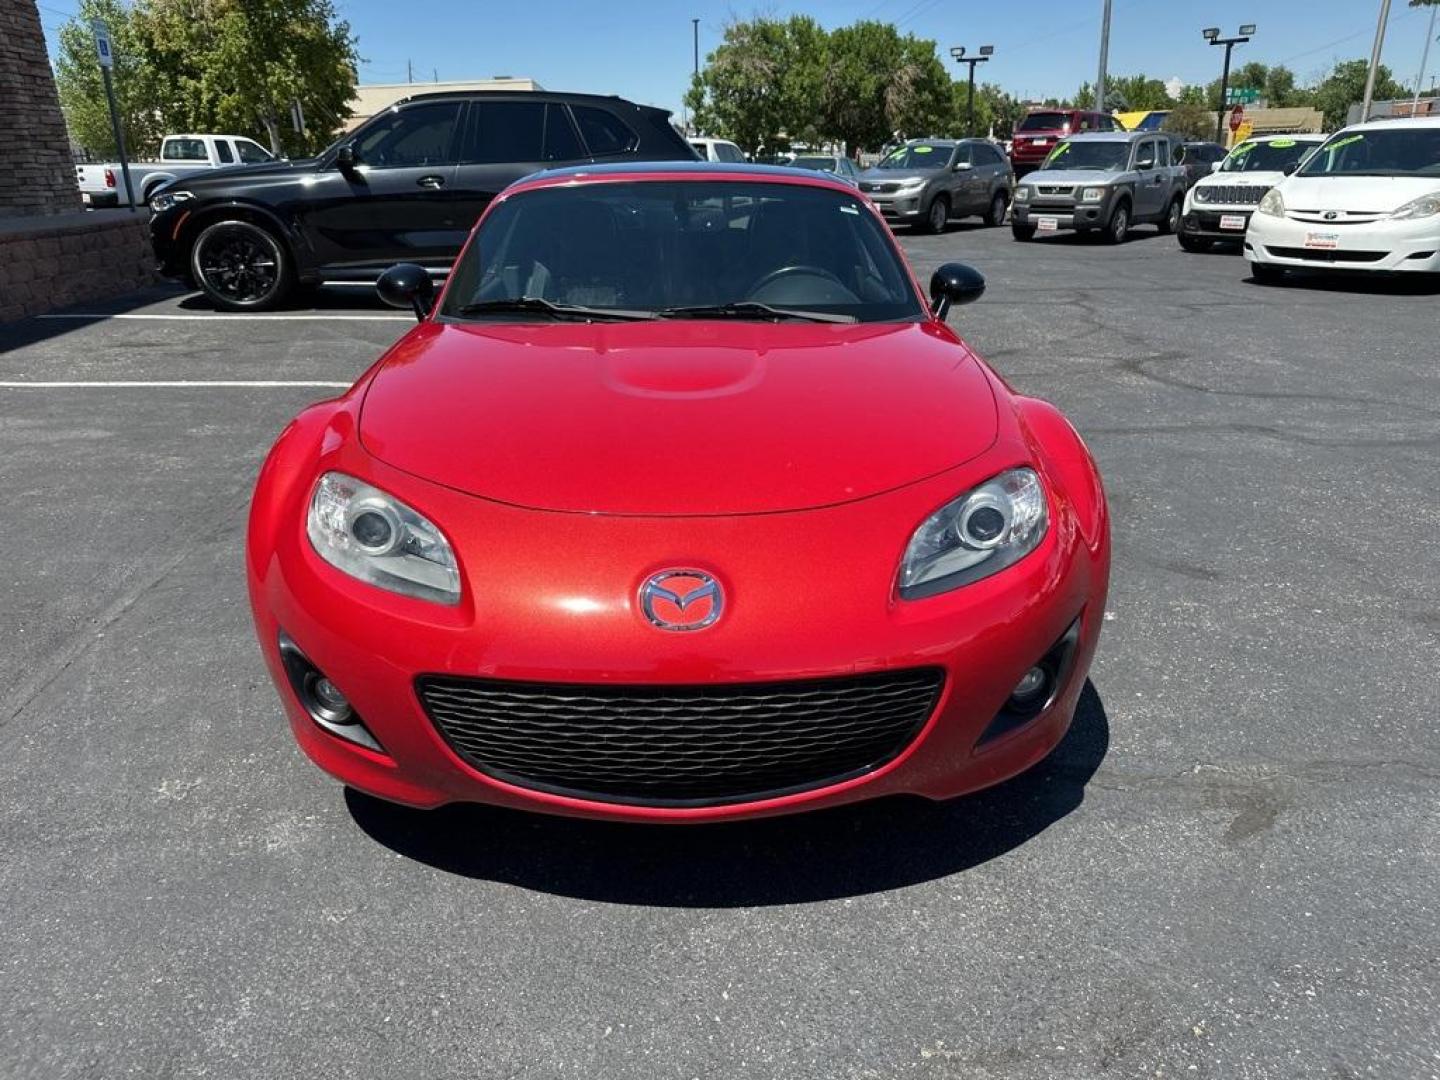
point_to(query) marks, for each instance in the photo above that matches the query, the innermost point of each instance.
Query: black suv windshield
(681, 249)
(1397, 151)
(1270, 156)
(916, 156)
(1098, 156)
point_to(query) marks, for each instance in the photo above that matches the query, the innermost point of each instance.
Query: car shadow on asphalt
(1355, 283)
(849, 851)
(356, 297)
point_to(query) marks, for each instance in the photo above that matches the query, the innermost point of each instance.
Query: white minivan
(1367, 199)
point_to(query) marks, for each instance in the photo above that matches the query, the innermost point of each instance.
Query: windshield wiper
(751, 309)
(541, 306)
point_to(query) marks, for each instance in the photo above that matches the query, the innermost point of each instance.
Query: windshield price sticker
(1283, 144)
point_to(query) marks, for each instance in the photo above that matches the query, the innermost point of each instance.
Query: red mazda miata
(682, 503)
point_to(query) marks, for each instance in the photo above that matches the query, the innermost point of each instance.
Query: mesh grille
(681, 745)
(1232, 195)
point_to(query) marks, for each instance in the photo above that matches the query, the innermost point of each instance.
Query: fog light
(329, 697)
(1032, 686)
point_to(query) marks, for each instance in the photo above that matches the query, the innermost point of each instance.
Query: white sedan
(1367, 199)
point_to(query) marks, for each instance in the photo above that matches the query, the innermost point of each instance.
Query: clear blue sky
(1043, 47)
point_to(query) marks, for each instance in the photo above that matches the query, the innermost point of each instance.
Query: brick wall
(85, 257)
(37, 173)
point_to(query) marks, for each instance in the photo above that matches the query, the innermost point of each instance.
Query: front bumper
(900, 206)
(1206, 224)
(1381, 246)
(809, 596)
(1067, 216)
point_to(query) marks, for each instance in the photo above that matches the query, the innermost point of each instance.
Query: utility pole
(1424, 60)
(1212, 35)
(958, 52)
(409, 72)
(695, 34)
(1375, 60)
(1104, 59)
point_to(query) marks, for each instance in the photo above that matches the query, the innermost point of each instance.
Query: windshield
(1270, 156)
(916, 156)
(1044, 121)
(642, 248)
(1396, 151)
(1098, 156)
(823, 164)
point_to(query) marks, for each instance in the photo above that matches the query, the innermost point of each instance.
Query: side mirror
(1291, 167)
(1145, 164)
(345, 159)
(407, 285)
(962, 166)
(1215, 166)
(954, 283)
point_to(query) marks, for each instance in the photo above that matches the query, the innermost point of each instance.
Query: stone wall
(37, 173)
(69, 260)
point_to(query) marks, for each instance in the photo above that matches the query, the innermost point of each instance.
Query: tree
(995, 110)
(761, 87)
(139, 87)
(210, 65)
(1345, 86)
(879, 84)
(1140, 93)
(1191, 121)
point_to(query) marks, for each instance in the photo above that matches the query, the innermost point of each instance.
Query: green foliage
(210, 65)
(1191, 120)
(772, 82)
(995, 110)
(1346, 86)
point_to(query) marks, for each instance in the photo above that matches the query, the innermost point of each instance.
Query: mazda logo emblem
(681, 600)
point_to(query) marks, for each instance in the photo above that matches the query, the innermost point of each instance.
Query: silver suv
(927, 182)
(1104, 181)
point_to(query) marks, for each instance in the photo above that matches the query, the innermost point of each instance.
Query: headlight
(1092, 194)
(375, 537)
(1202, 194)
(976, 535)
(166, 199)
(1022, 194)
(1423, 207)
(1272, 204)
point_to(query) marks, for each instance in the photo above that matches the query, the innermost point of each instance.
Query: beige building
(369, 100)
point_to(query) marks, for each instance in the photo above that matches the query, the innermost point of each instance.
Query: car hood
(1366, 194)
(677, 418)
(221, 177)
(1256, 178)
(1070, 176)
(897, 176)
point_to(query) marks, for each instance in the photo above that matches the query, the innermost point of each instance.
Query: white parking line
(170, 384)
(223, 315)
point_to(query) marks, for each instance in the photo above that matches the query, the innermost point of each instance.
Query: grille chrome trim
(691, 745)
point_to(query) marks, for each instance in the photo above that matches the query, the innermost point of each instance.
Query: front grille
(880, 189)
(1327, 254)
(1231, 195)
(1055, 189)
(681, 745)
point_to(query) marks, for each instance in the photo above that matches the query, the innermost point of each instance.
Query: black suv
(405, 187)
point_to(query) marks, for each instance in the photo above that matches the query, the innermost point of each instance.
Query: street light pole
(1104, 59)
(958, 52)
(1424, 59)
(1212, 35)
(1375, 60)
(695, 33)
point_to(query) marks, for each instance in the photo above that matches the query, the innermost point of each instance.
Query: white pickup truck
(180, 155)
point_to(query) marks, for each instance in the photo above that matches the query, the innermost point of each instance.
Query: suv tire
(241, 266)
(936, 215)
(1117, 229)
(998, 206)
(1170, 223)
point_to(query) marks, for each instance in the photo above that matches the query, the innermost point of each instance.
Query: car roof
(683, 170)
(1122, 136)
(1390, 123)
(527, 95)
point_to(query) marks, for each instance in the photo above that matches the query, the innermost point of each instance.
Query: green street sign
(1241, 95)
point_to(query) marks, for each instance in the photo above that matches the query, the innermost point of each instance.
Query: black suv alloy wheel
(240, 266)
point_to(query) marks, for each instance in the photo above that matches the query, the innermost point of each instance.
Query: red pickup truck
(1042, 129)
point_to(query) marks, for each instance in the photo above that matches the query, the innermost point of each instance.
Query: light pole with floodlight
(1212, 35)
(958, 52)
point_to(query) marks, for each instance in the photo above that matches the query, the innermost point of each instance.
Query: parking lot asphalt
(1229, 869)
